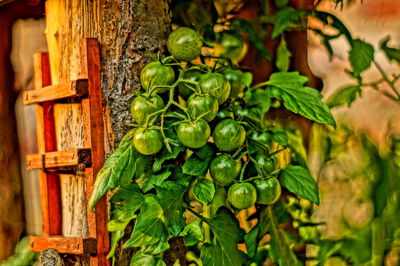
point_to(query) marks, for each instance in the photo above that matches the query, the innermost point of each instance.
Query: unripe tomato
(147, 141)
(266, 164)
(224, 170)
(268, 190)
(184, 44)
(232, 46)
(216, 85)
(185, 89)
(193, 134)
(228, 135)
(222, 114)
(234, 77)
(261, 137)
(157, 74)
(142, 107)
(198, 105)
(242, 195)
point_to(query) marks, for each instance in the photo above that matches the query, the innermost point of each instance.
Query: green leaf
(283, 19)
(223, 250)
(125, 202)
(301, 100)
(141, 259)
(333, 21)
(198, 163)
(151, 181)
(283, 56)
(390, 52)
(193, 233)
(299, 181)
(204, 191)
(261, 100)
(279, 136)
(115, 237)
(345, 95)
(118, 169)
(360, 56)
(170, 196)
(280, 246)
(247, 78)
(251, 239)
(149, 227)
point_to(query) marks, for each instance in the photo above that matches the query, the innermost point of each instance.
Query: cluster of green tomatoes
(197, 96)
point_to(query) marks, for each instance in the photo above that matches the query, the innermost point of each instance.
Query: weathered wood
(75, 88)
(49, 182)
(58, 159)
(71, 245)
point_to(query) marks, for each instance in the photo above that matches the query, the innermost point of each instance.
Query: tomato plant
(199, 154)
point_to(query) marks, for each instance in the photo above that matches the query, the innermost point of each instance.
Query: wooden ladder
(88, 160)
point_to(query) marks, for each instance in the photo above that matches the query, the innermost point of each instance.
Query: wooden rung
(76, 88)
(58, 159)
(70, 245)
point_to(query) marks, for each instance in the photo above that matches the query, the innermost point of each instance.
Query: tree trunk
(129, 32)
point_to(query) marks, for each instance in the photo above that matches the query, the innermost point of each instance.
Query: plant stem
(386, 78)
(198, 215)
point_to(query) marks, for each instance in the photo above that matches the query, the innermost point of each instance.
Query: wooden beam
(58, 159)
(70, 245)
(76, 88)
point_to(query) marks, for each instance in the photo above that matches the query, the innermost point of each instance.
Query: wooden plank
(49, 183)
(76, 88)
(58, 159)
(91, 63)
(70, 245)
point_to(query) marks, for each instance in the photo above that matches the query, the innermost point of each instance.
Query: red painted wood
(91, 56)
(53, 212)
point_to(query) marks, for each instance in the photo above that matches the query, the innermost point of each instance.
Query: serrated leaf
(152, 180)
(390, 52)
(193, 233)
(125, 202)
(149, 226)
(247, 78)
(299, 181)
(118, 169)
(223, 250)
(141, 259)
(301, 100)
(345, 95)
(170, 196)
(283, 56)
(283, 19)
(198, 162)
(360, 56)
(204, 191)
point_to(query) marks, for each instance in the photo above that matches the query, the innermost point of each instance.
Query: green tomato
(184, 44)
(193, 134)
(232, 46)
(198, 105)
(184, 89)
(234, 77)
(142, 107)
(228, 135)
(156, 74)
(147, 141)
(266, 164)
(224, 170)
(268, 190)
(242, 195)
(261, 137)
(216, 85)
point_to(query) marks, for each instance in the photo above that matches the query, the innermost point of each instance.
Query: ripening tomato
(193, 134)
(242, 195)
(268, 190)
(228, 135)
(198, 105)
(216, 85)
(142, 107)
(147, 141)
(156, 74)
(184, 44)
(223, 169)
